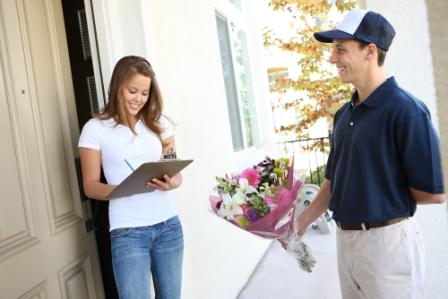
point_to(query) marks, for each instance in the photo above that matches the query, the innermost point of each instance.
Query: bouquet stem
(301, 253)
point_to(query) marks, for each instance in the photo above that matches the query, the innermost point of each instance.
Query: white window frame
(234, 16)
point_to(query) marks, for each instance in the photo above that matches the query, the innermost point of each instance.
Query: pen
(126, 161)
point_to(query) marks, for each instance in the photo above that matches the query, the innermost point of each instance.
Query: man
(384, 160)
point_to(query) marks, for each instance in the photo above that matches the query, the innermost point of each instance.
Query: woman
(146, 234)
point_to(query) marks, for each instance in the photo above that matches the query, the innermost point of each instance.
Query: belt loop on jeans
(363, 225)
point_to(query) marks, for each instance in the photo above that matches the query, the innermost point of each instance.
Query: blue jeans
(138, 252)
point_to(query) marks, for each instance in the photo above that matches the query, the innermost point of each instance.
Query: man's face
(349, 59)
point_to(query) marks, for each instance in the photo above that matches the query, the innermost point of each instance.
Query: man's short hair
(381, 52)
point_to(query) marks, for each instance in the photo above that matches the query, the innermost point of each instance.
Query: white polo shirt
(117, 143)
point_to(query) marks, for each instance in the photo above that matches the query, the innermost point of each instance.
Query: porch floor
(278, 275)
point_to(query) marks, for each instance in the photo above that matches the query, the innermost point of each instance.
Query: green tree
(316, 176)
(322, 91)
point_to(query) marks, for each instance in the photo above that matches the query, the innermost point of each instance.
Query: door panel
(16, 225)
(49, 110)
(12, 215)
(18, 229)
(45, 251)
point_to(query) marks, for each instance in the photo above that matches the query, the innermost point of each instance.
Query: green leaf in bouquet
(225, 186)
(265, 189)
(258, 203)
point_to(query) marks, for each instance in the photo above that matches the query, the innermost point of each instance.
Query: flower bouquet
(261, 200)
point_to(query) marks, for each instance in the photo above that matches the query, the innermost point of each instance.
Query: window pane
(237, 3)
(230, 83)
(244, 83)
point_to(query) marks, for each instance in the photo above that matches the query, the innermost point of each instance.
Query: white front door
(45, 251)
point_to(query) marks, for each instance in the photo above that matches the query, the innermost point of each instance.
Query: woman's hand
(167, 183)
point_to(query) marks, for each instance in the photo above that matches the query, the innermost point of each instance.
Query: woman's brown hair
(150, 113)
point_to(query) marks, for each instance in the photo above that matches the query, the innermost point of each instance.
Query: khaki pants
(382, 263)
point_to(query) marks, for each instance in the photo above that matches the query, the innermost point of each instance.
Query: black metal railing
(310, 156)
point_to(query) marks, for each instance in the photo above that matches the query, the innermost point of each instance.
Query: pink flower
(245, 209)
(270, 202)
(252, 176)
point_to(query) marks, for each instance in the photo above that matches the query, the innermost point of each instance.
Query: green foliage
(225, 185)
(317, 176)
(323, 91)
(259, 205)
(265, 189)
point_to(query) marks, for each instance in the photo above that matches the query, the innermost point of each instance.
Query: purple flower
(252, 215)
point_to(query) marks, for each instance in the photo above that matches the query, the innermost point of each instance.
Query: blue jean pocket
(173, 222)
(120, 232)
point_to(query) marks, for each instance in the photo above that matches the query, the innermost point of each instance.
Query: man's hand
(283, 243)
(313, 211)
(300, 227)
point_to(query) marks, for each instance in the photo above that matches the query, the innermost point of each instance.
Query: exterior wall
(410, 61)
(438, 21)
(180, 39)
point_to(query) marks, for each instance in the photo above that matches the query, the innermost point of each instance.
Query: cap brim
(330, 35)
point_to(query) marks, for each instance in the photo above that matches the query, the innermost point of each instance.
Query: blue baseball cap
(363, 25)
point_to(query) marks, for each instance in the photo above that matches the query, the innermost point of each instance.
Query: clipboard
(135, 183)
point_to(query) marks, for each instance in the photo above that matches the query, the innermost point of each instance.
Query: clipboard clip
(169, 155)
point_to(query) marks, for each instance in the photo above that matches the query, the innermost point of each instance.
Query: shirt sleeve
(90, 135)
(167, 127)
(419, 148)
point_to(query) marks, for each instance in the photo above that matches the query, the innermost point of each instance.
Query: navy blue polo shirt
(380, 148)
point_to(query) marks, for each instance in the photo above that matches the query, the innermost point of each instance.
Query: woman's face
(135, 94)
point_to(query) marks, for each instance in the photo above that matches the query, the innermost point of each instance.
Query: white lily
(230, 206)
(245, 188)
